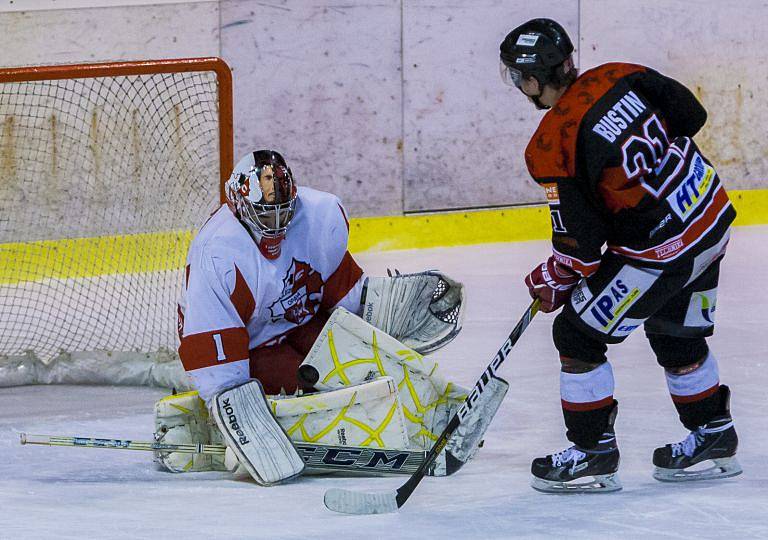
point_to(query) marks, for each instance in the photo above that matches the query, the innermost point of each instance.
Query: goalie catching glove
(423, 311)
(184, 419)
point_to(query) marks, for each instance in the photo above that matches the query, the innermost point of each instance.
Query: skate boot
(563, 472)
(715, 441)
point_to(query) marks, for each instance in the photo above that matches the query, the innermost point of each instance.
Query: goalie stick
(359, 502)
(318, 457)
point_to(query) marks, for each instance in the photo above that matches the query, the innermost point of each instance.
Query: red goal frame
(148, 67)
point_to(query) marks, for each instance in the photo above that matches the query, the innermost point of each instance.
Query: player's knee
(677, 354)
(579, 352)
(576, 366)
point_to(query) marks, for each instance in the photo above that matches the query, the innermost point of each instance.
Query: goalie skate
(714, 443)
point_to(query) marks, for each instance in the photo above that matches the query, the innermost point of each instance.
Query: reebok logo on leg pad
(230, 412)
(254, 436)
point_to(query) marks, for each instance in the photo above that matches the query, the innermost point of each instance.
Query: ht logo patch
(707, 309)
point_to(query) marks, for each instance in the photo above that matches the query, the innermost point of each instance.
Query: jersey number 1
(220, 356)
(557, 221)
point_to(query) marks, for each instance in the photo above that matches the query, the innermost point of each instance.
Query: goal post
(106, 172)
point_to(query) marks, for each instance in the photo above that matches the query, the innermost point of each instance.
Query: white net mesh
(102, 183)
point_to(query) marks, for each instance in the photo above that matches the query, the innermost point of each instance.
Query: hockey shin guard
(694, 391)
(587, 400)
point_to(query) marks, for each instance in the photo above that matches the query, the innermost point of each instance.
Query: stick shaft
(121, 444)
(322, 457)
(404, 491)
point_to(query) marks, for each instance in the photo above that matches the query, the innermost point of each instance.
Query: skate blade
(721, 468)
(601, 483)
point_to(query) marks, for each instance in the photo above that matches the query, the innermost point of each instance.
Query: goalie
(263, 276)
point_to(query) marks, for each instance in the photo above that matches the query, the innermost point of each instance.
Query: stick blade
(357, 502)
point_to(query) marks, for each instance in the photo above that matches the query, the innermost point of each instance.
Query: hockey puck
(308, 375)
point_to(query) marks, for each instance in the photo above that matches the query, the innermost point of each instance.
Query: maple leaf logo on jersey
(302, 292)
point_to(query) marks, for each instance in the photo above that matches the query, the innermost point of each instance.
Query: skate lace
(567, 455)
(689, 445)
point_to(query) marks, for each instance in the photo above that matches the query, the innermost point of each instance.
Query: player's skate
(715, 441)
(580, 470)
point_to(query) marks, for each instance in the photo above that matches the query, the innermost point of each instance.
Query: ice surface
(76, 493)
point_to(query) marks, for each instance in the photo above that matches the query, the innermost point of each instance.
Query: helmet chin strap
(537, 99)
(538, 103)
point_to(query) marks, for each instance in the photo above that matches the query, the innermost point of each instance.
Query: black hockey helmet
(540, 48)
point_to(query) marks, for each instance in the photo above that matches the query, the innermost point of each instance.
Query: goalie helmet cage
(106, 171)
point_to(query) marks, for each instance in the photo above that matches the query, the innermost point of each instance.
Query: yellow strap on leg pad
(367, 414)
(350, 351)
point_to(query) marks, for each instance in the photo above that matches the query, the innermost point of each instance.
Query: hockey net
(106, 171)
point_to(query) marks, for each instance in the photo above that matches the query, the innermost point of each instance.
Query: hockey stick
(357, 502)
(318, 457)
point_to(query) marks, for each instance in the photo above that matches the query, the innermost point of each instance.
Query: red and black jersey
(619, 167)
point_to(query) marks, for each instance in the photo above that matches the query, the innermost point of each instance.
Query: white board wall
(322, 85)
(718, 49)
(397, 106)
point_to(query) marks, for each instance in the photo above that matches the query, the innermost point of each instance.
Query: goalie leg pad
(424, 311)
(363, 415)
(254, 436)
(465, 440)
(183, 419)
(350, 351)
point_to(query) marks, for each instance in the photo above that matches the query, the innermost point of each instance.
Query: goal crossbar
(147, 67)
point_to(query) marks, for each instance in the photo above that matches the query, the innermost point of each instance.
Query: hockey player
(262, 277)
(640, 223)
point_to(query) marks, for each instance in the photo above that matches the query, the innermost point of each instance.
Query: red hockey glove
(552, 283)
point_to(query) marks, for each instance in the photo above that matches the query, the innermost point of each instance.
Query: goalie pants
(676, 306)
(276, 365)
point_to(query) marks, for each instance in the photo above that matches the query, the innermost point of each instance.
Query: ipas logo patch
(301, 294)
(627, 326)
(615, 300)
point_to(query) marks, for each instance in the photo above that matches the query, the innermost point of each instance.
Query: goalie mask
(262, 193)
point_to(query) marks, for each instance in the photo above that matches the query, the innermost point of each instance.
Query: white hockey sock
(586, 391)
(696, 384)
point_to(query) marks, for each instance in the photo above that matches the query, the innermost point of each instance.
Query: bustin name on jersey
(611, 125)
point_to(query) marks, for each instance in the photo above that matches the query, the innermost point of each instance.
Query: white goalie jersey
(235, 299)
